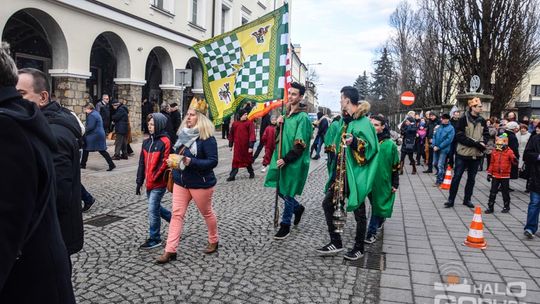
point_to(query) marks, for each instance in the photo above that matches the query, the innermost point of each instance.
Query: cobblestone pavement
(250, 267)
(423, 245)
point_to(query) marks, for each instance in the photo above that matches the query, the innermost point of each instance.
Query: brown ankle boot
(413, 168)
(211, 248)
(401, 164)
(166, 257)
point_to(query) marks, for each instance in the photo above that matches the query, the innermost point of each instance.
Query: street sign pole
(182, 79)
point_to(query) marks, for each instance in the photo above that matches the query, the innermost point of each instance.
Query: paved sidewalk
(423, 245)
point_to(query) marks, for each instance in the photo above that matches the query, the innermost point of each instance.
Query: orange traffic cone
(475, 238)
(447, 179)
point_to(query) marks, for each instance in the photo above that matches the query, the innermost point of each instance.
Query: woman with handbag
(193, 177)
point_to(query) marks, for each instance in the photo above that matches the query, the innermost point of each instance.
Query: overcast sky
(344, 35)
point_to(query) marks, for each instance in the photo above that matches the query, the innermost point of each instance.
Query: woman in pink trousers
(194, 178)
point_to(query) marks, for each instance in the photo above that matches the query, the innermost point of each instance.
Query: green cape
(381, 197)
(292, 179)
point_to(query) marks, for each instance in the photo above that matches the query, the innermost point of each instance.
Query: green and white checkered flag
(247, 63)
(254, 75)
(221, 56)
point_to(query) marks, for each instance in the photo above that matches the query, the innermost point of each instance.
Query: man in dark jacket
(453, 121)
(265, 122)
(34, 87)
(322, 127)
(176, 121)
(147, 108)
(531, 156)
(103, 108)
(225, 127)
(35, 265)
(120, 118)
(472, 135)
(169, 127)
(432, 123)
(511, 128)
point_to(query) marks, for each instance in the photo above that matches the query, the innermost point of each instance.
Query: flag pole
(283, 99)
(276, 204)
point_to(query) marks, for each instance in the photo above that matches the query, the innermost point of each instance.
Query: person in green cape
(329, 142)
(290, 164)
(358, 136)
(383, 193)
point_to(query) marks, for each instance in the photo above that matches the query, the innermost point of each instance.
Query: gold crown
(199, 105)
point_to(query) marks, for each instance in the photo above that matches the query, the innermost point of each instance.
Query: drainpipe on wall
(213, 17)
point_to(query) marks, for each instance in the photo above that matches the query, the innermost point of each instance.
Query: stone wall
(172, 96)
(72, 93)
(131, 96)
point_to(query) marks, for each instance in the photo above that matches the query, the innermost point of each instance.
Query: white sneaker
(263, 169)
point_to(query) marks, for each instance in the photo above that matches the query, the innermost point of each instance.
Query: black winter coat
(41, 274)
(514, 145)
(67, 133)
(169, 128)
(409, 138)
(105, 111)
(531, 156)
(120, 119)
(175, 120)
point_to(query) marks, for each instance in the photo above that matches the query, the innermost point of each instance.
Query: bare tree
(402, 44)
(498, 40)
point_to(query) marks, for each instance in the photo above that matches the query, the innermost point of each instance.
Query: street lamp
(307, 68)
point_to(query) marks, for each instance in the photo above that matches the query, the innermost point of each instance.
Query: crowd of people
(43, 221)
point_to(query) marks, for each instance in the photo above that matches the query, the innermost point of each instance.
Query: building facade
(129, 49)
(527, 100)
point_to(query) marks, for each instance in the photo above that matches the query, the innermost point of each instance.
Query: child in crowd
(152, 165)
(502, 159)
(269, 141)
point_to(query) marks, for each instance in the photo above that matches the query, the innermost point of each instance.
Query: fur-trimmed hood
(363, 108)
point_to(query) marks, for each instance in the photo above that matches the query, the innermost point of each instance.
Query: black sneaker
(489, 211)
(87, 207)
(353, 254)
(283, 232)
(448, 205)
(230, 179)
(298, 214)
(505, 210)
(330, 249)
(149, 244)
(370, 240)
(528, 234)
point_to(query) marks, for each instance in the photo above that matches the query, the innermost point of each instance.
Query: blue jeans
(290, 207)
(374, 223)
(317, 144)
(532, 213)
(439, 161)
(472, 168)
(155, 212)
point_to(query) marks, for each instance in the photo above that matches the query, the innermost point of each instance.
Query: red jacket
(269, 141)
(152, 163)
(501, 163)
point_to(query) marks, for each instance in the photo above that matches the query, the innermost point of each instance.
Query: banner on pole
(247, 63)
